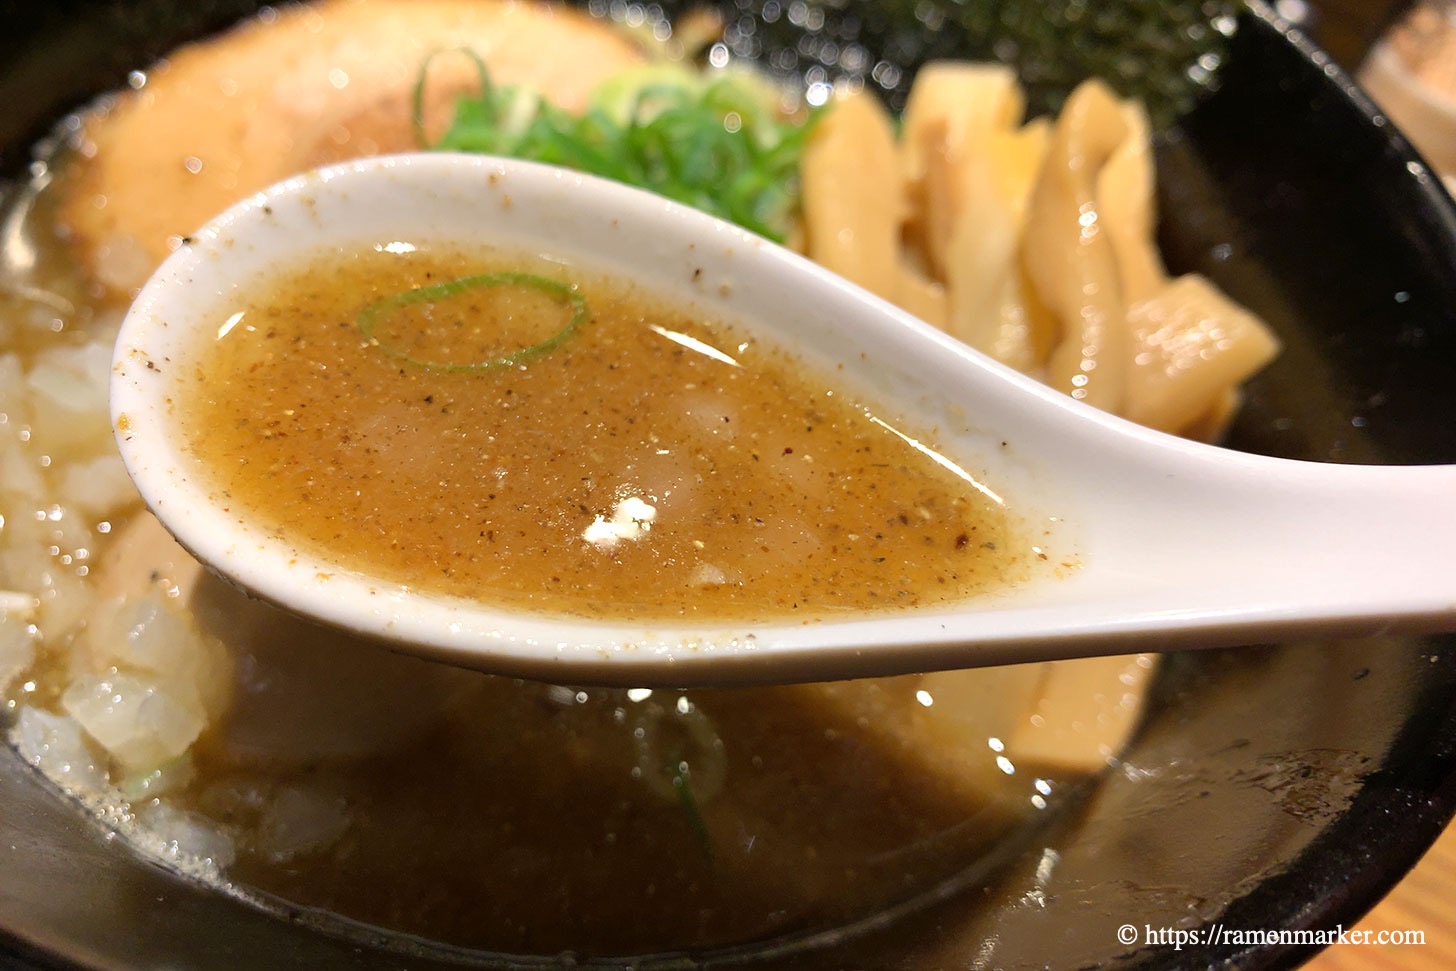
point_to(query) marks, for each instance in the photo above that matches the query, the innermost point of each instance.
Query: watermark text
(1217, 934)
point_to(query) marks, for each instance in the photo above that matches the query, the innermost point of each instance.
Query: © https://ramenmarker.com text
(1218, 934)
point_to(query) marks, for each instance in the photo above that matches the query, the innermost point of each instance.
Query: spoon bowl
(1150, 542)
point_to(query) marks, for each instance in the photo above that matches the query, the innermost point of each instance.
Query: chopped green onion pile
(719, 144)
(381, 310)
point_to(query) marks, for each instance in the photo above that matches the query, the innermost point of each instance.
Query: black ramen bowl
(1268, 788)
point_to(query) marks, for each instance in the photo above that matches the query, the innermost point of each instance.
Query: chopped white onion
(138, 723)
(53, 744)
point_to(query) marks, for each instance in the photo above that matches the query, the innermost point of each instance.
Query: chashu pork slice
(299, 87)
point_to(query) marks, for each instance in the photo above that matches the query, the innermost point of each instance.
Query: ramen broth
(610, 823)
(653, 463)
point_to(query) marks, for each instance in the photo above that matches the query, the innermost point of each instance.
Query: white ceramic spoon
(1177, 544)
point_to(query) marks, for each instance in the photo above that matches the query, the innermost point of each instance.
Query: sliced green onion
(714, 143)
(370, 317)
(682, 784)
(417, 96)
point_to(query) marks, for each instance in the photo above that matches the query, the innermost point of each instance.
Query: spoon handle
(1275, 548)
